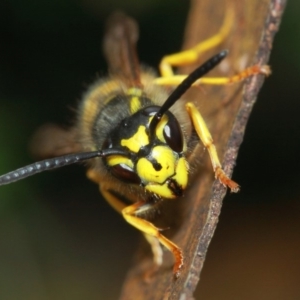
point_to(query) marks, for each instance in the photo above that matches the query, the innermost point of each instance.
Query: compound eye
(125, 173)
(173, 135)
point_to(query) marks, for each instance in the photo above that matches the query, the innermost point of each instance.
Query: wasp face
(154, 161)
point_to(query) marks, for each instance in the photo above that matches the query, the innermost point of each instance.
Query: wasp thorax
(156, 160)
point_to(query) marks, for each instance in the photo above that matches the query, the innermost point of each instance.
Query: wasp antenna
(56, 162)
(185, 85)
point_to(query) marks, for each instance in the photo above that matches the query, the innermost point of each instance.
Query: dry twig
(250, 42)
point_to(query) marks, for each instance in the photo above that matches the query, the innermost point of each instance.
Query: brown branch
(193, 219)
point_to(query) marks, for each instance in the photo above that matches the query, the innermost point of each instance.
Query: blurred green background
(58, 238)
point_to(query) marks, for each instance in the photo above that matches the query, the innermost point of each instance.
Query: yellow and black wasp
(137, 137)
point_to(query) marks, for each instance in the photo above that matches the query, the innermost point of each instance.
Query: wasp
(136, 136)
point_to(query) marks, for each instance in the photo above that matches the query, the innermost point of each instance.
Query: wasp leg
(205, 136)
(254, 70)
(119, 206)
(130, 214)
(192, 55)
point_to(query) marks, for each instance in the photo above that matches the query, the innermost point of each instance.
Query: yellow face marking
(135, 104)
(181, 177)
(172, 167)
(118, 159)
(161, 190)
(138, 140)
(160, 128)
(165, 157)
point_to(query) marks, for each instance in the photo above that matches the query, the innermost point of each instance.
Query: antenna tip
(224, 53)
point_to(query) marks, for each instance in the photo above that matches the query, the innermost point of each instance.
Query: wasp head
(154, 159)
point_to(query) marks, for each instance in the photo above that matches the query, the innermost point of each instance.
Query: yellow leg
(120, 207)
(130, 214)
(254, 70)
(205, 136)
(192, 55)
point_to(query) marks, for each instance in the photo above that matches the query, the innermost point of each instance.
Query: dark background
(58, 238)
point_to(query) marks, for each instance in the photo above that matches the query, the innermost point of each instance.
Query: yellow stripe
(134, 92)
(135, 104)
(138, 140)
